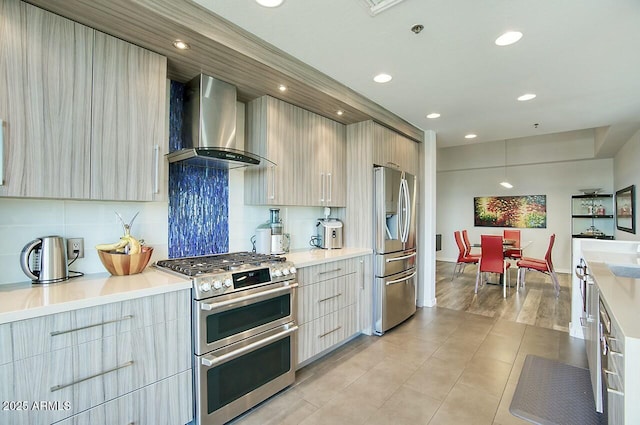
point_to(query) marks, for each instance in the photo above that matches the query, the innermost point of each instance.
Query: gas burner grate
(219, 263)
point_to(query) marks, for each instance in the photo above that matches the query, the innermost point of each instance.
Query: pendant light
(505, 183)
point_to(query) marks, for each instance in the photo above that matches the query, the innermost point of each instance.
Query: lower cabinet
(327, 306)
(324, 332)
(105, 364)
(167, 402)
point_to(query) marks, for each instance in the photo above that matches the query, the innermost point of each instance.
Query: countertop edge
(94, 282)
(620, 305)
(313, 257)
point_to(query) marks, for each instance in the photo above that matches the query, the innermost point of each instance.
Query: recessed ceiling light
(382, 78)
(282, 87)
(471, 136)
(526, 97)
(433, 115)
(269, 3)
(179, 44)
(508, 38)
(340, 112)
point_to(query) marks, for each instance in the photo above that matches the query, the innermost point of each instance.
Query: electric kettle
(48, 257)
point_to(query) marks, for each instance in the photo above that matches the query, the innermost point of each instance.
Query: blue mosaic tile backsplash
(198, 197)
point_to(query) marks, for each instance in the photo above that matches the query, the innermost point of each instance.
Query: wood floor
(536, 305)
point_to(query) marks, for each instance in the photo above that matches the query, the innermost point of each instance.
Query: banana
(113, 246)
(134, 245)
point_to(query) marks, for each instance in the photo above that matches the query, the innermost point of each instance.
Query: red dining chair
(463, 258)
(467, 245)
(544, 266)
(492, 260)
(513, 252)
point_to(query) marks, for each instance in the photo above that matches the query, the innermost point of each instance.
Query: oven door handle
(210, 360)
(208, 306)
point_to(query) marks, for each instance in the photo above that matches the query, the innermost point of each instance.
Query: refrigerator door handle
(404, 279)
(404, 257)
(400, 215)
(406, 215)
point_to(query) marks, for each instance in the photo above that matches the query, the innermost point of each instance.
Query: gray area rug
(554, 393)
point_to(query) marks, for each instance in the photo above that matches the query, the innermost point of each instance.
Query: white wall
(558, 180)
(626, 173)
(22, 220)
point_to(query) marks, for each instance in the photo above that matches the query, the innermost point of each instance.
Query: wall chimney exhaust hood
(209, 128)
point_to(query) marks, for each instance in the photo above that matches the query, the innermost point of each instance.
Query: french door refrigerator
(394, 292)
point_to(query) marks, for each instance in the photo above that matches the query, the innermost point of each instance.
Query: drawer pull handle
(329, 298)
(330, 271)
(404, 257)
(55, 333)
(330, 332)
(122, 366)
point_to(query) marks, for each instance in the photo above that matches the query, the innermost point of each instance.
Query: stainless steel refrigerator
(395, 262)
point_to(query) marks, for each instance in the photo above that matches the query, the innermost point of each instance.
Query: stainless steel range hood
(209, 128)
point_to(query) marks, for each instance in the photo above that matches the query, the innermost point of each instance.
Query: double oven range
(244, 334)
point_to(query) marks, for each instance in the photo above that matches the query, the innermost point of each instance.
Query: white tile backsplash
(22, 220)
(299, 222)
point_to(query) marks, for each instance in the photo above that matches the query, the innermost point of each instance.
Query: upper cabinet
(45, 106)
(83, 112)
(307, 151)
(128, 135)
(391, 149)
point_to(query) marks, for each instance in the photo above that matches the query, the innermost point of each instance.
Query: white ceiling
(581, 58)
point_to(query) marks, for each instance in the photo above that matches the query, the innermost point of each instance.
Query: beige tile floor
(440, 367)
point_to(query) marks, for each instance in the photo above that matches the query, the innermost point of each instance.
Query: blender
(277, 237)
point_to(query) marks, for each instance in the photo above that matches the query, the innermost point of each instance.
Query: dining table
(507, 244)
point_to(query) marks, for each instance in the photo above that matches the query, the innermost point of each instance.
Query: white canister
(263, 241)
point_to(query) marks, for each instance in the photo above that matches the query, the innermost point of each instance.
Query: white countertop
(621, 295)
(311, 257)
(25, 300)
(22, 301)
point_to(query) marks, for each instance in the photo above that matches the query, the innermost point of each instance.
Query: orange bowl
(123, 264)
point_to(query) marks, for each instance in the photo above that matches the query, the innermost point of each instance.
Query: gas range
(219, 274)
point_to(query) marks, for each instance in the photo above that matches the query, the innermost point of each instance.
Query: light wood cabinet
(309, 153)
(394, 150)
(91, 356)
(167, 402)
(45, 81)
(128, 121)
(83, 112)
(327, 306)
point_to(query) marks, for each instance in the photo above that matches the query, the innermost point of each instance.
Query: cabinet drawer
(86, 375)
(320, 334)
(57, 331)
(325, 297)
(168, 402)
(314, 274)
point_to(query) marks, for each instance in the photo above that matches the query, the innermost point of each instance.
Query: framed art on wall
(625, 209)
(528, 211)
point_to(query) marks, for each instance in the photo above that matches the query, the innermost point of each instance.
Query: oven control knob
(205, 287)
(228, 283)
(277, 272)
(285, 271)
(292, 270)
(217, 284)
